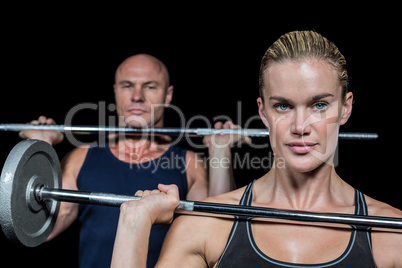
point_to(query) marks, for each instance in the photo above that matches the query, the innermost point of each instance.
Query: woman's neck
(311, 191)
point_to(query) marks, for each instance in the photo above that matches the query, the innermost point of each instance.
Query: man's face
(303, 109)
(141, 93)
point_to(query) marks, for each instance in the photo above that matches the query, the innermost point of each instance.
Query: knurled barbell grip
(93, 198)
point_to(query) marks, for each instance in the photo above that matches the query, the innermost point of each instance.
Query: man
(129, 163)
(304, 99)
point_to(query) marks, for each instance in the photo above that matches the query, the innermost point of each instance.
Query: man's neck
(138, 148)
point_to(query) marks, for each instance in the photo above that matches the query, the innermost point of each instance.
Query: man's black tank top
(103, 172)
(242, 251)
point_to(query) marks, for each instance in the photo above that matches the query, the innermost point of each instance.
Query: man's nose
(137, 95)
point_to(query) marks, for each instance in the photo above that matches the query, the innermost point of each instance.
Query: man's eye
(281, 107)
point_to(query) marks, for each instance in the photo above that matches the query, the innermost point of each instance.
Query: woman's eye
(320, 106)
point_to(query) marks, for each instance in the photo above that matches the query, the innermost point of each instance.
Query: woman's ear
(261, 111)
(347, 108)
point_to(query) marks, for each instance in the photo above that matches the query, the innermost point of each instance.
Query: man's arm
(216, 176)
(197, 177)
(220, 170)
(135, 221)
(71, 165)
(221, 179)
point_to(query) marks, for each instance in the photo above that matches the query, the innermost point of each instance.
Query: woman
(304, 99)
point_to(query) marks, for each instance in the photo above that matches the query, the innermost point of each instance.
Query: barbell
(167, 131)
(30, 196)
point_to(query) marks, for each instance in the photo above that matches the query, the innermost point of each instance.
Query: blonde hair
(303, 45)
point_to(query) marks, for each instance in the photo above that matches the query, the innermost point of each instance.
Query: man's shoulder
(193, 158)
(75, 156)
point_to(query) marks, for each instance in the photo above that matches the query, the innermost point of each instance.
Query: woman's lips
(301, 147)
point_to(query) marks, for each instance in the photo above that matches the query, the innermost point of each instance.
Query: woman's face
(303, 109)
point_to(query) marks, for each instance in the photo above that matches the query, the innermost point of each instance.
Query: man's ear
(261, 111)
(169, 95)
(347, 108)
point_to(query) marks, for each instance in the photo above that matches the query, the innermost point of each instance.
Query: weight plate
(24, 220)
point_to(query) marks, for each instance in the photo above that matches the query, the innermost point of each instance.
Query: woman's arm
(135, 222)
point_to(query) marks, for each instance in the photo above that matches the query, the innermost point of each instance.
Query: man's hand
(221, 179)
(50, 136)
(225, 141)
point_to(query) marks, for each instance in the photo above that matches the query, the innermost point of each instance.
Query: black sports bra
(242, 251)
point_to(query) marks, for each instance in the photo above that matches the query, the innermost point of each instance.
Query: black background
(56, 58)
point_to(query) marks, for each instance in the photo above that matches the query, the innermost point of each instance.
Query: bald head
(143, 65)
(142, 90)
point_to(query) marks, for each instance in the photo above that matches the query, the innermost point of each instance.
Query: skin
(142, 91)
(303, 131)
(135, 221)
(141, 95)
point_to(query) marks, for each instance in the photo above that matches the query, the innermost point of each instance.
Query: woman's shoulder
(232, 197)
(381, 209)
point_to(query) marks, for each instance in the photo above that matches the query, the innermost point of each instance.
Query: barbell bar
(115, 200)
(167, 131)
(30, 196)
